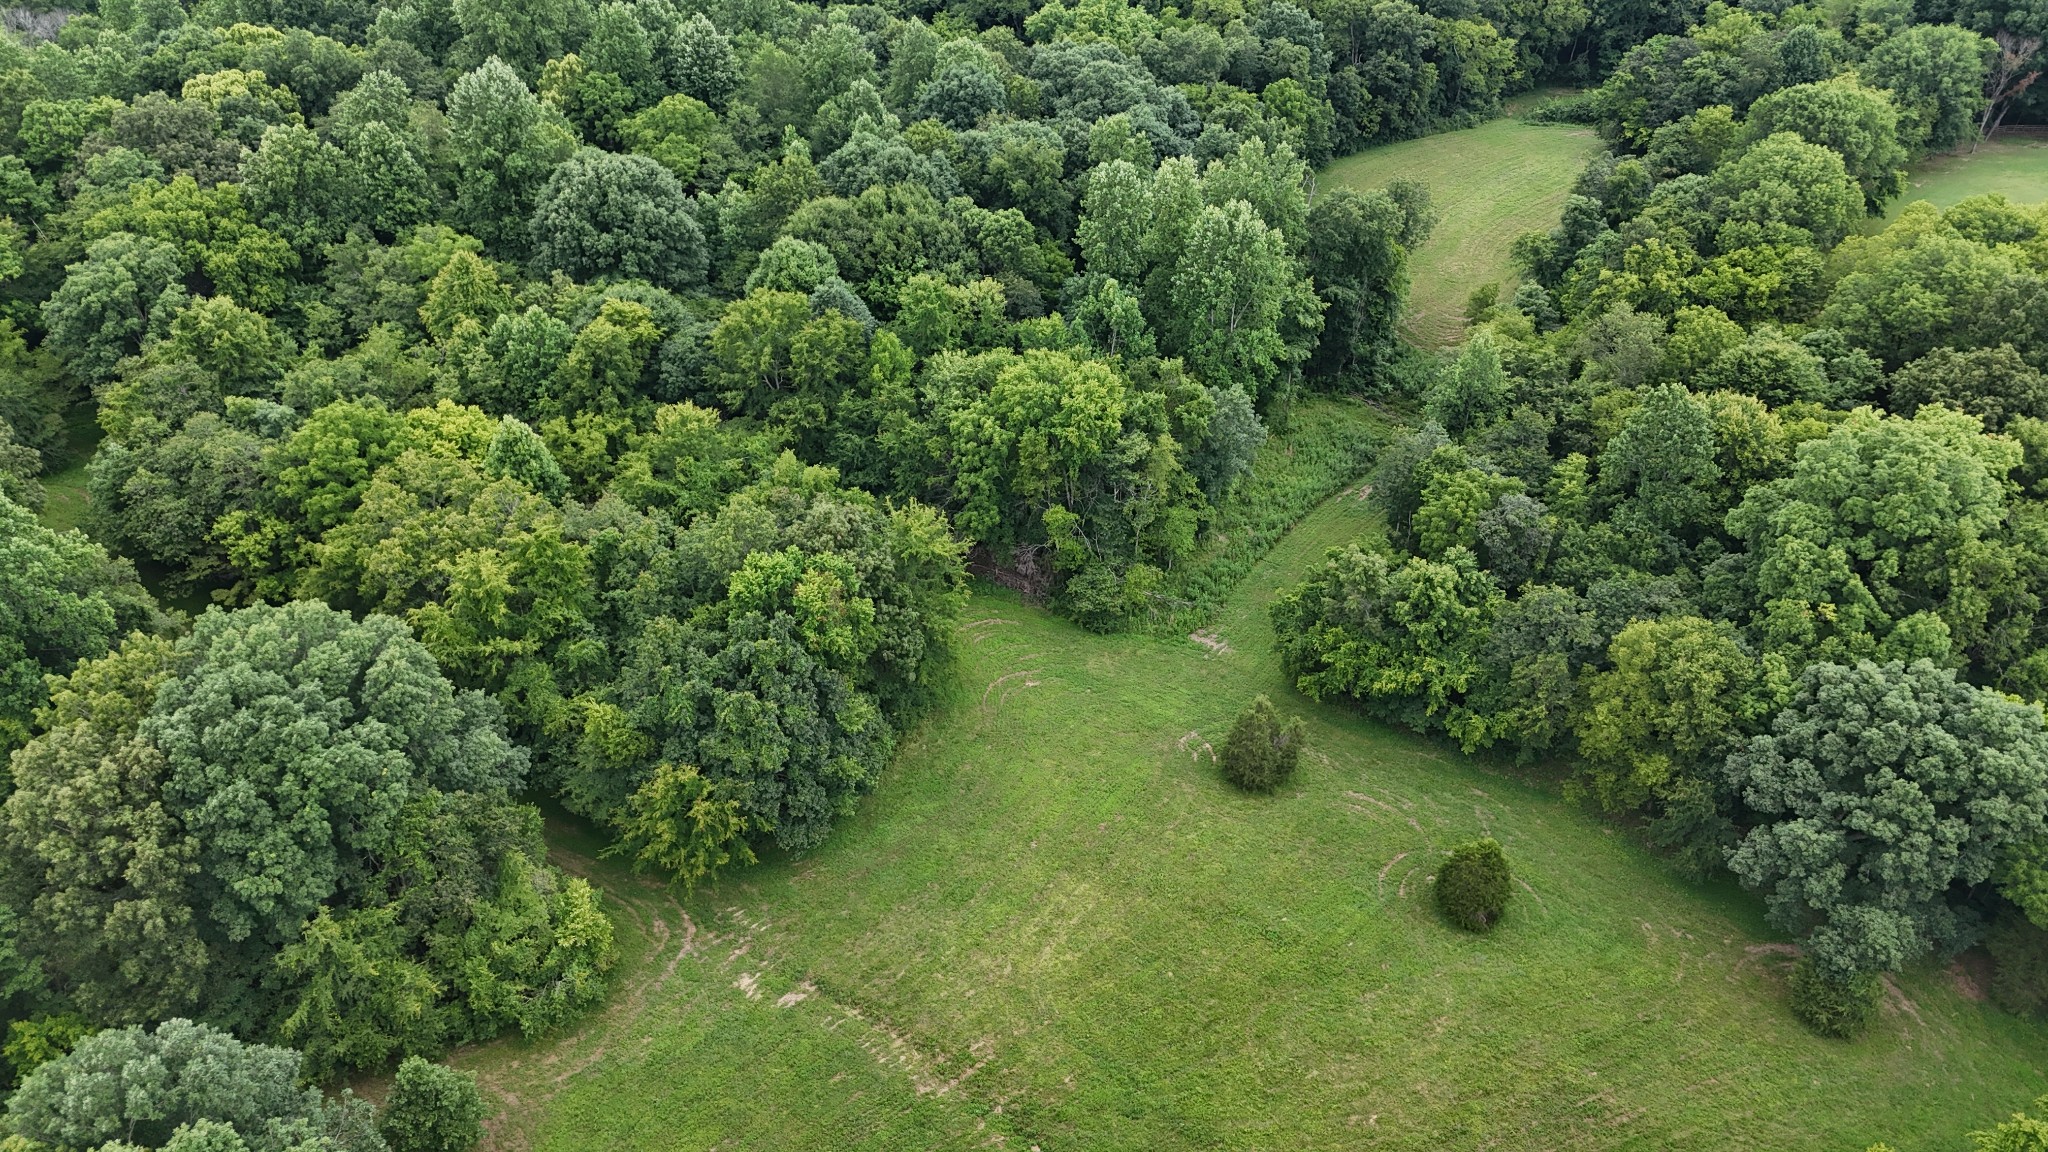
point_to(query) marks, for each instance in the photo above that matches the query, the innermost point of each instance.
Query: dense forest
(604, 404)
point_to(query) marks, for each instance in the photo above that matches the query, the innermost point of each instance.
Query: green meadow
(1054, 926)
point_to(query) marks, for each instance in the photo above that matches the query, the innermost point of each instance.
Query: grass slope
(2015, 163)
(1493, 183)
(1054, 927)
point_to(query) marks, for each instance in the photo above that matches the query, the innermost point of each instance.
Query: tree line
(1735, 504)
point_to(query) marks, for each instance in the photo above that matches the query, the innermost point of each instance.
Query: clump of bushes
(1472, 886)
(1830, 1004)
(1262, 752)
(433, 1108)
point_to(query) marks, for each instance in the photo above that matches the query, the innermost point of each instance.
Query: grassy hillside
(1493, 183)
(2015, 163)
(1054, 927)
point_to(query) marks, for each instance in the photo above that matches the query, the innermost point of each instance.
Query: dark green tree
(1262, 752)
(1881, 793)
(1473, 885)
(602, 214)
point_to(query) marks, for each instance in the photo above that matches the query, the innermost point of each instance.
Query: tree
(299, 186)
(140, 1087)
(523, 35)
(1473, 885)
(1471, 391)
(505, 144)
(1358, 256)
(1832, 1004)
(99, 865)
(606, 214)
(1882, 792)
(1857, 123)
(1858, 546)
(62, 599)
(1784, 188)
(1406, 641)
(696, 60)
(1234, 290)
(326, 757)
(2021, 1133)
(1679, 692)
(432, 1108)
(1994, 383)
(1936, 75)
(1261, 753)
(1920, 286)
(126, 289)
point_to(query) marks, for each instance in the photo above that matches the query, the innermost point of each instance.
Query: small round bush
(1831, 1005)
(1261, 753)
(1472, 886)
(433, 1108)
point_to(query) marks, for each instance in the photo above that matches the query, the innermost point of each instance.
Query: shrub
(433, 1108)
(1261, 753)
(1831, 1004)
(1472, 886)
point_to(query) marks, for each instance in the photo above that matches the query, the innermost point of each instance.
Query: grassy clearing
(2013, 163)
(1493, 182)
(1329, 442)
(65, 503)
(1055, 925)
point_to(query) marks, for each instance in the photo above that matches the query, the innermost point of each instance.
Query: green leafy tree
(139, 1087)
(127, 289)
(1678, 693)
(606, 214)
(1358, 254)
(1858, 123)
(505, 144)
(680, 824)
(1994, 383)
(1832, 1004)
(98, 863)
(432, 1108)
(1857, 550)
(1784, 189)
(62, 599)
(1882, 792)
(522, 35)
(1936, 75)
(1406, 640)
(327, 758)
(1920, 285)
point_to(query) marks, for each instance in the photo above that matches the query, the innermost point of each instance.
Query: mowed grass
(1493, 183)
(1053, 926)
(2012, 163)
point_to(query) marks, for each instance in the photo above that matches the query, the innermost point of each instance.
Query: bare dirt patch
(1208, 638)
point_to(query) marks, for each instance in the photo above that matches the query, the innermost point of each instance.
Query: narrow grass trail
(1053, 926)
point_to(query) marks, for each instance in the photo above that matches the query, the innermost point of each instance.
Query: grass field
(1493, 183)
(1054, 927)
(65, 503)
(2013, 163)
